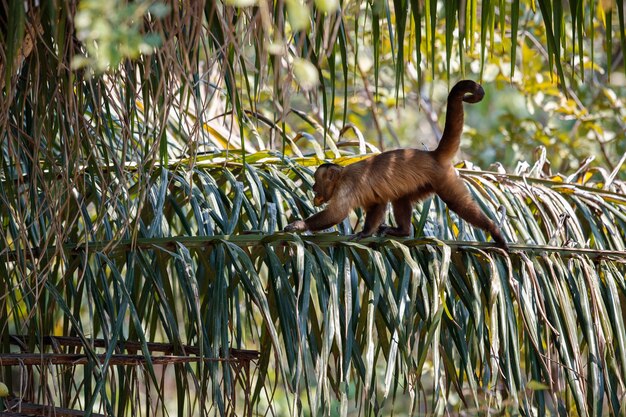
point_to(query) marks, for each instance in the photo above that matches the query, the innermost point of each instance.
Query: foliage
(111, 33)
(141, 198)
(341, 325)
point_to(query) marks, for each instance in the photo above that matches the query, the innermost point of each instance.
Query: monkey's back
(390, 176)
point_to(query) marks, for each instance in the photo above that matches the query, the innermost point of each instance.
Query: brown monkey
(402, 176)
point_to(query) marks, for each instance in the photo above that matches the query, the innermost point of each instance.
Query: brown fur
(402, 176)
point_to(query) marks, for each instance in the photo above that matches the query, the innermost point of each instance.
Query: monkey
(402, 177)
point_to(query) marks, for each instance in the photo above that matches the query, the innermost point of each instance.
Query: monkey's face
(320, 188)
(319, 200)
(326, 178)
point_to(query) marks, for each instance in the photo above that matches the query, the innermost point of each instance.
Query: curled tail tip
(467, 90)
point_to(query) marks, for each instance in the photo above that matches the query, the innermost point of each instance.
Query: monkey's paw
(503, 245)
(359, 236)
(385, 230)
(297, 226)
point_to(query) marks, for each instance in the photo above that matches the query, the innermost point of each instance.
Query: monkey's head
(326, 178)
(472, 91)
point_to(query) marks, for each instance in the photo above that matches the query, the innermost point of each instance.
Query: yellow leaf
(305, 73)
(327, 6)
(536, 385)
(347, 160)
(240, 3)
(298, 15)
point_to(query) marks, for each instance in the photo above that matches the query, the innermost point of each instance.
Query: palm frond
(327, 312)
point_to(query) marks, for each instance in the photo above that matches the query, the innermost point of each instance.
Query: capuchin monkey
(402, 176)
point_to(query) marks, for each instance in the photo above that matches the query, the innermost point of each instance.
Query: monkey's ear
(333, 172)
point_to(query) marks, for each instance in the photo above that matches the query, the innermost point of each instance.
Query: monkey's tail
(470, 92)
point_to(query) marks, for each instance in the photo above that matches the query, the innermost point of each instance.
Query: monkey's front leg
(402, 209)
(297, 226)
(373, 218)
(319, 221)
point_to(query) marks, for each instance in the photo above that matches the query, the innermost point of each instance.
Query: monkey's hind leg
(456, 196)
